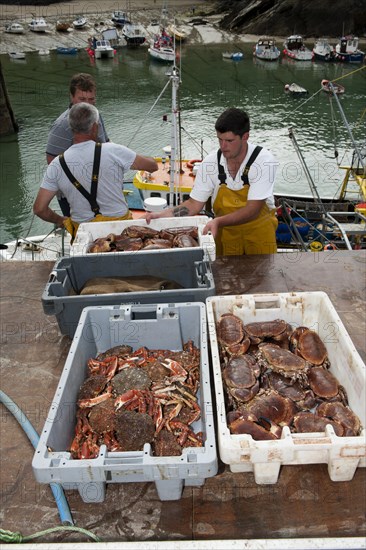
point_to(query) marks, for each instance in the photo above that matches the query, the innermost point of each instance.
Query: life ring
(316, 246)
(191, 163)
(330, 246)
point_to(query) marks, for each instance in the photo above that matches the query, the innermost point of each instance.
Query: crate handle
(52, 277)
(266, 302)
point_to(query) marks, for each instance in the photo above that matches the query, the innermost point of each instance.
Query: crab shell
(309, 345)
(323, 383)
(259, 331)
(247, 423)
(230, 329)
(305, 422)
(293, 389)
(140, 231)
(338, 412)
(272, 407)
(282, 361)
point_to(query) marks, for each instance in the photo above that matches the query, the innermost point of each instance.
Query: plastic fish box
(88, 232)
(156, 327)
(61, 295)
(265, 458)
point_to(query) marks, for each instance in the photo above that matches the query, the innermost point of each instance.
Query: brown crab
(277, 330)
(133, 429)
(325, 385)
(240, 377)
(172, 232)
(247, 423)
(131, 378)
(184, 241)
(157, 244)
(272, 407)
(231, 335)
(338, 412)
(166, 444)
(282, 361)
(307, 422)
(293, 389)
(140, 231)
(308, 344)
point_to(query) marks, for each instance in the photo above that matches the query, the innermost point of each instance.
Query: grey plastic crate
(70, 274)
(160, 326)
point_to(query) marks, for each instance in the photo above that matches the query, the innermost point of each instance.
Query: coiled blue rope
(57, 490)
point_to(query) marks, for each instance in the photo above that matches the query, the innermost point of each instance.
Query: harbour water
(128, 89)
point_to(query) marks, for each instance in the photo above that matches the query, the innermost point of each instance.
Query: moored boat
(134, 34)
(295, 48)
(162, 47)
(62, 26)
(177, 33)
(66, 51)
(14, 28)
(235, 56)
(120, 18)
(329, 86)
(101, 49)
(80, 23)
(295, 89)
(266, 49)
(323, 50)
(17, 55)
(347, 50)
(38, 24)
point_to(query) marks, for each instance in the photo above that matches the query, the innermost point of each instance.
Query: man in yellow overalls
(89, 175)
(239, 180)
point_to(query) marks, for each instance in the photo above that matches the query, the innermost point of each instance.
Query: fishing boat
(295, 89)
(17, 55)
(80, 23)
(323, 50)
(14, 28)
(134, 34)
(294, 48)
(347, 50)
(120, 18)
(162, 47)
(266, 49)
(43, 52)
(38, 24)
(328, 86)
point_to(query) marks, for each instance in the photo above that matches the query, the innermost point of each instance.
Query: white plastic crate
(88, 232)
(100, 328)
(314, 310)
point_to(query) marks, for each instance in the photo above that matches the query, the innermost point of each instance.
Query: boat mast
(357, 151)
(174, 77)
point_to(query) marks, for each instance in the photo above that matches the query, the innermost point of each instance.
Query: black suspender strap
(90, 197)
(244, 176)
(222, 175)
(252, 158)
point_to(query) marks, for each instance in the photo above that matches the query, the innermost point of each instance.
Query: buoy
(316, 246)
(330, 246)
(155, 204)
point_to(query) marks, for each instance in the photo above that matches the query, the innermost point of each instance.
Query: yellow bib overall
(255, 237)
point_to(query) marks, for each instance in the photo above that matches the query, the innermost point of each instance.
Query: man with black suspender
(239, 180)
(89, 174)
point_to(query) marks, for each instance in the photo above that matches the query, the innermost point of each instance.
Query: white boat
(17, 55)
(80, 22)
(295, 89)
(14, 28)
(134, 34)
(323, 51)
(235, 56)
(103, 50)
(295, 48)
(162, 47)
(266, 49)
(38, 24)
(44, 51)
(329, 87)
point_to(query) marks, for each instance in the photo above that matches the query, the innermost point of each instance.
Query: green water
(128, 87)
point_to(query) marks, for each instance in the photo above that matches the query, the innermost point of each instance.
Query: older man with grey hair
(89, 174)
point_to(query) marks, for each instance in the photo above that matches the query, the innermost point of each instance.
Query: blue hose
(57, 490)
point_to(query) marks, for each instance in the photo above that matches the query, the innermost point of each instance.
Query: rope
(10, 537)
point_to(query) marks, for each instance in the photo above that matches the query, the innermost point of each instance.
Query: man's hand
(211, 227)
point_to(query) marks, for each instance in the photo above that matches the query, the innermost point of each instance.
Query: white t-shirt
(261, 177)
(115, 161)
